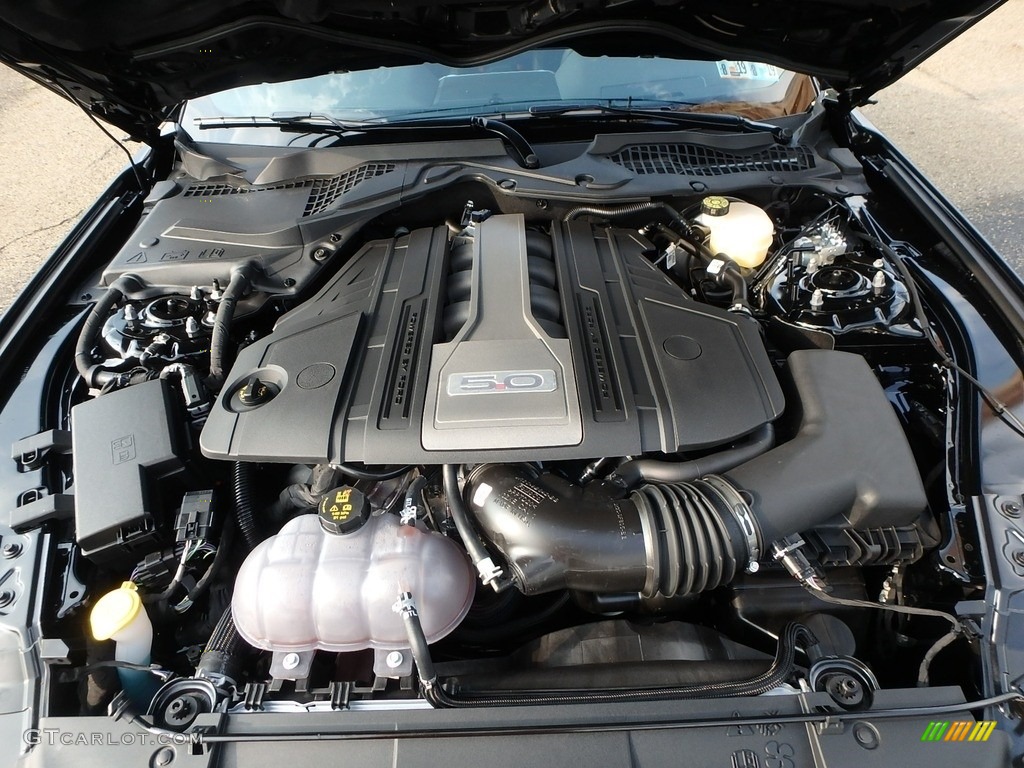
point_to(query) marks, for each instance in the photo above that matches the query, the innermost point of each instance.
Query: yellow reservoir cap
(115, 611)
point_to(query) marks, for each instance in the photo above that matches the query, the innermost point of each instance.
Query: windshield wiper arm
(318, 123)
(306, 122)
(527, 158)
(695, 119)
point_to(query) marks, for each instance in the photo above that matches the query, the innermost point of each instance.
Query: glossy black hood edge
(131, 62)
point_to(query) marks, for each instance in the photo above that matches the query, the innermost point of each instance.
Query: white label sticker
(749, 70)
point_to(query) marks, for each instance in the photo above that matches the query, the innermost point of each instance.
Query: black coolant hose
(777, 673)
(241, 280)
(92, 373)
(490, 574)
(630, 473)
(614, 212)
(224, 652)
(728, 274)
(241, 483)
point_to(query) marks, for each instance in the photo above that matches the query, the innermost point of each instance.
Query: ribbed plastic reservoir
(307, 589)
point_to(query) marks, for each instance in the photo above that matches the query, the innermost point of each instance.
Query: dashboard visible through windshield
(513, 85)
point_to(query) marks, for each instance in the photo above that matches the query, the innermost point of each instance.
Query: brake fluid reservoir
(329, 581)
(741, 231)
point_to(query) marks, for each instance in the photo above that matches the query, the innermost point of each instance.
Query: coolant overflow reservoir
(739, 230)
(311, 588)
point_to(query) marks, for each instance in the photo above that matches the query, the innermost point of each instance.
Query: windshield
(534, 78)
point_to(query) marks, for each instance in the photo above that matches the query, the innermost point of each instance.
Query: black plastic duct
(848, 463)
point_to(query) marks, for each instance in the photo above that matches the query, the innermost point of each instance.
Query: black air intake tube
(848, 464)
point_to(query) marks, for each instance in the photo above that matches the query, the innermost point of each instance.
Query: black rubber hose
(223, 655)
(625, 210)
(361, 473)
(478, 553)
(241, 279)
(93, 375)
(241, 481)
(731, 277)
(631, 473)
(610, 676)
(777, 673)
(417, 639)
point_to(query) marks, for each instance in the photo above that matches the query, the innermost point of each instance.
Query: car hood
(132, 63)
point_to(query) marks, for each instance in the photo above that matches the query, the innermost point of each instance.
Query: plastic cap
(115, 611)
(343, 510)
(714, 205)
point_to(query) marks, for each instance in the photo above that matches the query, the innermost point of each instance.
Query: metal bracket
(291, 665)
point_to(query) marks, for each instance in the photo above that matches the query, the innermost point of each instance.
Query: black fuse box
(123, 444)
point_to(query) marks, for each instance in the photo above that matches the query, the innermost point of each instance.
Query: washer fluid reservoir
(741, 231)
(329, 581)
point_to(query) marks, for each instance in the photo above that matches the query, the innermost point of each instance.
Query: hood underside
(132, 62)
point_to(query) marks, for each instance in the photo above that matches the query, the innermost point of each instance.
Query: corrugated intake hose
(93, 375)
(848, 464)
(434, 691)
(241, 279)
(223, 655)
(241, 480)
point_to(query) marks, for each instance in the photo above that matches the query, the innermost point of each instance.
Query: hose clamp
(742, 514)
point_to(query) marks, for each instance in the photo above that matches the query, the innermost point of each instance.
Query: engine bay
(337, 439)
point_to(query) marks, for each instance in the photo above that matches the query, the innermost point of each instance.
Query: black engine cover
(570, 347)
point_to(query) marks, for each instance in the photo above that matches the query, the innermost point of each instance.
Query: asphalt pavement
(958, 116)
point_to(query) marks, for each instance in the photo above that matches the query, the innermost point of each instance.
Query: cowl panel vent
(326, 191)
(218, 190)
(323, 192)
(700, 160)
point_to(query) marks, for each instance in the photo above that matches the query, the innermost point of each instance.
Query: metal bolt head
(394, 659)
(320, 254)
(11, 551)
(290, 661)
(1010, 508)
(6, 598)
(1018, 556)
